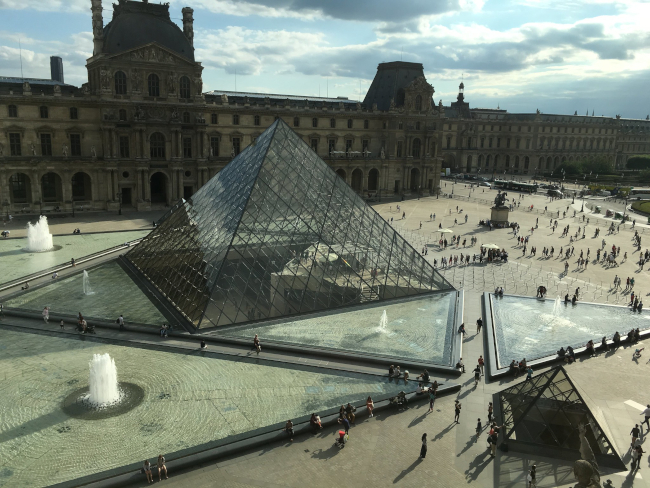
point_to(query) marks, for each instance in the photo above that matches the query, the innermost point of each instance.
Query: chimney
(188, 24)
(56, 69)
(98, 26)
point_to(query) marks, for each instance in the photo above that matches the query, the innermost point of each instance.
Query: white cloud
(47, 5)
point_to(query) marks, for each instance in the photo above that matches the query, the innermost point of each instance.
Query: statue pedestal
(500, 215)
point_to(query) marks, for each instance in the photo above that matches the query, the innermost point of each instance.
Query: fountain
(104, 390)
(39, 238)
(383, 323)
(556, 307)
(86, 284)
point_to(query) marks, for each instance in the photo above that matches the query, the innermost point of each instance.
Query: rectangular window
(366, 124)
(490, 142)
(314, 122)
(214, 119)
(235, 119)
(469, 143)
(332, 123)
(13, 111)
(214, 146)
(364, 146)
(45, 113)
(498, 142)
(518, 143)
(74, 113)
(331, 145)
(75, 144)
(314, 145)
(482, 141)
(527, 143)
(14, 144)
(124, 147)
(348, 145)
(46, 144)
(448, 142)
(236, 145)
(256, 120)
(400, 145)
(508, 142)
(187, 147)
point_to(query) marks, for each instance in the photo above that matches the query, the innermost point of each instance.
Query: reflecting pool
(419, 329)
(529, 328)
(189, 400)
(113, 293)
(16, 263)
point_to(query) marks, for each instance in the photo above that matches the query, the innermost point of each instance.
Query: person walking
(481, 363)
(532, 475)
(120, 321)
(457, 407)
(479, 324)
(490, 412)
(646, 412)
(479, 429)
(635, 435)
(492, 440)
(423, 449)
(529, 373)
(46, 314)
(370, 406)
(477, 375)
(432, 398)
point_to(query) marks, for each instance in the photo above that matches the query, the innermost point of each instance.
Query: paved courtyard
(383, 450)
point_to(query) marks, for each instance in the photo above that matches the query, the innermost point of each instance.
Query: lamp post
(119, 198)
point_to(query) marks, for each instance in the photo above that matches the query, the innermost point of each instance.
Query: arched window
(314, 122)
(185, 87)
(480, 160)
(416, 148)
(186, 117)
(296, 121)
(120, 83)
(418, 102)
(157, 146)
(526, 162)
(153, 83)
(487, 161)
(13, 111)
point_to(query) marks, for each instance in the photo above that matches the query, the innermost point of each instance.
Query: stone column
(35, 181)
(170, 189)
(116, 188)
(147, 184)
(172, 194)
(179, 144)
(181, 184)
(93, 187)
(109, 186)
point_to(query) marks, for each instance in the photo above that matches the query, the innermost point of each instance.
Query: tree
(639, 162)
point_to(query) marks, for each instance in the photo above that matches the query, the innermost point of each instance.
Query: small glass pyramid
(547, 411)
(277, 233)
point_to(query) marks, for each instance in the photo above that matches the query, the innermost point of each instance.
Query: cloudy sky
(556, 55)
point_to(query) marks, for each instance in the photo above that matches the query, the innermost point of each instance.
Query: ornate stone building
(143, 133)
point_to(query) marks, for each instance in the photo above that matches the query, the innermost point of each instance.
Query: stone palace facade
(143, 133)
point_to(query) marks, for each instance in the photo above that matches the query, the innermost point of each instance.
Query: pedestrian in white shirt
(646, 412)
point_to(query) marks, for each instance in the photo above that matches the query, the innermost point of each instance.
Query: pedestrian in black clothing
(479, 429)
(635, 434)
(457, 406)
(477, 374)
(423, 449)
(479, 324)
(490, 412)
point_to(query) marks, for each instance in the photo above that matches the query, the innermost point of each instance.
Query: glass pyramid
(547, 410)
(276, 233)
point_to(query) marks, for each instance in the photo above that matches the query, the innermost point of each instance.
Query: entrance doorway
(126, 196)
(188, 191)
(158, 188)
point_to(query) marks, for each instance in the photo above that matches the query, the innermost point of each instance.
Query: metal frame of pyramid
(541, 416)
(277, 233)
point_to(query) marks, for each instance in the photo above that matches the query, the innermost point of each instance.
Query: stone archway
(341, 172)
(20, 187)
(415, 179)
(81, 187)
(373, 180)
(357, 180)
(158, 185)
